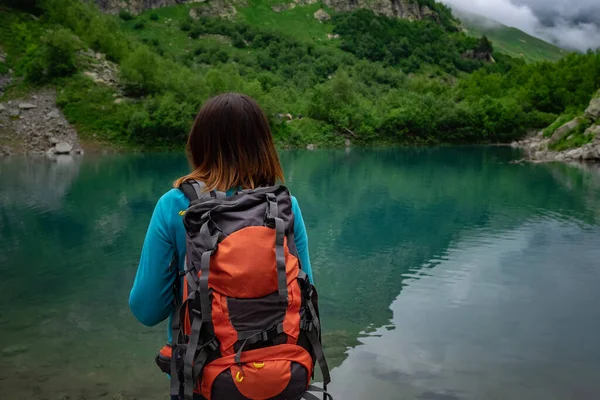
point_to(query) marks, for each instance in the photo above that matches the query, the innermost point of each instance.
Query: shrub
(141, 72)
(163, 120)
(185, 25)
(54, 58)
(154, 16)
(125, 15)
(141, 24)
(60, 53)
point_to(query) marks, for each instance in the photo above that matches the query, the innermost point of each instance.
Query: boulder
(53, 114)
(27, 106)
(593, 130)
(593, 110)
(590, 152)
(322, 15)
(575, 154)
(310, 147)
(283, 7)
(53, 140)
(565, 130)
(63, 148)
(5, 151)
(2, 108)
(14, 113)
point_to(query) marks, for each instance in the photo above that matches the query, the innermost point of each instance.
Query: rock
(348, 143)
(2, 57)
(63, 148)
(118, 101)
(593, 110)
(591, 152)
(14, 113)
(310, 147)
(322, 15)
(5, 151)
(565, 130)
(574, 154)
(335, 36)
(53, 114)
(593, 130)
(559, 156)
(53, 140)
(92, 75)
(2, 108)
(405, 9)
(283, 7)
(27, 106)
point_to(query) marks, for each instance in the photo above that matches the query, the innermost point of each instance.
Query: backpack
(248, 323)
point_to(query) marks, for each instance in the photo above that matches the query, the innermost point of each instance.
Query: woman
(230, 147)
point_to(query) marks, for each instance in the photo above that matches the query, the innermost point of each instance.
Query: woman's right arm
(151, 297)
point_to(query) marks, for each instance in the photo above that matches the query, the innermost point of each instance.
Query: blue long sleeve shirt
(151, 297)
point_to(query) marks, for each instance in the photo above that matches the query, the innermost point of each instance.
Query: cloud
(573, 24)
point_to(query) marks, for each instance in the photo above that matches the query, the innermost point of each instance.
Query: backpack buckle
(269, 220)
(212, 345)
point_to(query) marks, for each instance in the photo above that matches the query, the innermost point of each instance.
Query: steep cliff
(407, 9)
(136, 6)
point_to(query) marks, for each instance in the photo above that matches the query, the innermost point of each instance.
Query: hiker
(226, 259)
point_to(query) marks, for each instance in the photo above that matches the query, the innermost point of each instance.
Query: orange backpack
(248, 326)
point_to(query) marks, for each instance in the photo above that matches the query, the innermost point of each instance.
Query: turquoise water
(443, 274)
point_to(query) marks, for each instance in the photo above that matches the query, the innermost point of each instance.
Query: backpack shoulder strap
(194, 190)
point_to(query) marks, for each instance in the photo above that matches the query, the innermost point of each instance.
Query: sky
(572, 24)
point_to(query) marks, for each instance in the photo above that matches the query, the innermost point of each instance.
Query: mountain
(508, 40)
(379, 72)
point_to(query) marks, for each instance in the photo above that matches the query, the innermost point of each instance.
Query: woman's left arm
(151, 298)
(301, 239)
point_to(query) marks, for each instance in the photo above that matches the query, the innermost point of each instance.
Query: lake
(444, 273)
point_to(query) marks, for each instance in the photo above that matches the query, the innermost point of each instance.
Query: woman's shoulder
(295, 205)
(174, 199)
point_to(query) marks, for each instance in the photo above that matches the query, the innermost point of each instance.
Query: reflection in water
(497, 319)
(442, 273)
(39, 182)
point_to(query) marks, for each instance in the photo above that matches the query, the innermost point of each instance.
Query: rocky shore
(34, 125)
(542, 147)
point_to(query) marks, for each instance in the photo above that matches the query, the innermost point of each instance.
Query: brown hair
(231, 145)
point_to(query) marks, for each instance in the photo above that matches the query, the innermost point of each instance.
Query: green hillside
(511, 41)
(355, 76)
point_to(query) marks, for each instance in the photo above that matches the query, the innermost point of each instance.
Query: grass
(560, 121)
(298, 22)
(512, 41)
(91, 109)
(164, 33)
(575, 139)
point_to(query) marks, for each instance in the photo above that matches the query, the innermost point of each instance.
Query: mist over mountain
(573, 24)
